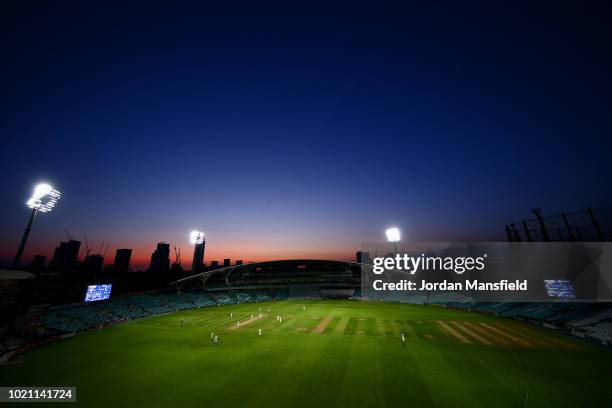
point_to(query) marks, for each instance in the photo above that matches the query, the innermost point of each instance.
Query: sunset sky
(286, 131)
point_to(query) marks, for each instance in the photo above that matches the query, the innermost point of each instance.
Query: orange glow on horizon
(247, 252)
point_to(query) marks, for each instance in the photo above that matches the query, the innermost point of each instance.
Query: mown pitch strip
(324, 354)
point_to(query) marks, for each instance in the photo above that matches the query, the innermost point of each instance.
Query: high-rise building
(65, 256)
(239, 262)
(122, 260)
(38, 263)
(214, 264)
(160, 258)
(198, 257)
(93, 263)
(364, 258)
(226, 262)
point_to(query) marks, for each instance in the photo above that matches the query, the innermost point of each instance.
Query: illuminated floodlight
(43, 198)
(196, 237)
(393, 234)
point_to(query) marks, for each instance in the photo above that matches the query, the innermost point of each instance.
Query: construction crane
(68, 235)
(87, 248)
(177, 256)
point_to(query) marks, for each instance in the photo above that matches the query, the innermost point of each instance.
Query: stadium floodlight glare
(196, 237)
(393, 235)
(43, 199)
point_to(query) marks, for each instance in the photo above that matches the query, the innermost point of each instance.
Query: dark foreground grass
(334, 353)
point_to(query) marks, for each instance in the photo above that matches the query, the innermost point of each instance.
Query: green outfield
(333, 353)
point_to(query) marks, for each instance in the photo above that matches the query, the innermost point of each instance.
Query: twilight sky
(287, 131)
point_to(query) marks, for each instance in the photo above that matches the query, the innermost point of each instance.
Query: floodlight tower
(197, 238)
(393, 235)
(43, 199)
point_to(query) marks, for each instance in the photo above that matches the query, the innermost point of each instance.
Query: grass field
(334, 353)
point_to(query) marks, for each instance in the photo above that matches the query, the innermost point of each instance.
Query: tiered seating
(601, 331)
(177, 302)
(494, 308)
(535, 310)
(224, 298)
(78, 317)
(304, 292)
(592, 318)
(282, 294)
(125, 309)
(464, 305)
(151, 303)
(263, 297)
(574, 311)
(200, 299)
(445, 297)
(242, 297)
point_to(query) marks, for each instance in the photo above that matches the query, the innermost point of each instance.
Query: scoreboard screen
(97, 292)
(559, 288)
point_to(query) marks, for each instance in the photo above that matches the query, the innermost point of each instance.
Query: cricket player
(182, 321)
(403, 338)
(216, 340)
(259, 332)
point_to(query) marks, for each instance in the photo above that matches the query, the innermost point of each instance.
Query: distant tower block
(122, 260)
(160, 258)
(199, 240)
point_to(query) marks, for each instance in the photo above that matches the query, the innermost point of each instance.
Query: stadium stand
(307, 279)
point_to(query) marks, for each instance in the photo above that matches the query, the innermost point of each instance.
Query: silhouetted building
(198, 257)
(176, 267)
(214, 264)
(93, 263)
(65, 256)
(160, 258)
(364, 257)
(38, 263)
(239, 262)
(226, 262)
(122, 260)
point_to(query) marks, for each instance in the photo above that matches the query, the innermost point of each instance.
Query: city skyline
(300, 133)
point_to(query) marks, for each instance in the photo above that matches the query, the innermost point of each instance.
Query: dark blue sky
(288, 131)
